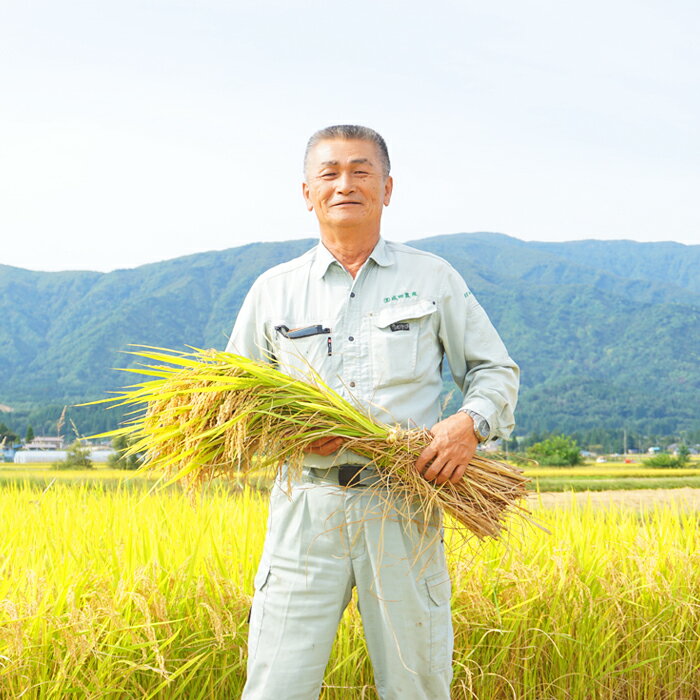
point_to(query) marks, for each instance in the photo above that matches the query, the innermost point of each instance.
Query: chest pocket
(399, 335)
(297, 357)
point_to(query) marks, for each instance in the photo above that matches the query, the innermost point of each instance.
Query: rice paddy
(108, 592)
(584, 478)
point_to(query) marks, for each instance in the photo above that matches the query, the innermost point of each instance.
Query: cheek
(316, 199)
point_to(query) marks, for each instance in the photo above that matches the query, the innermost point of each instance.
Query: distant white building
(45, 443)
(34, 456)
(101, 456)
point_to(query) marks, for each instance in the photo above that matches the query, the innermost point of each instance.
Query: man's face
(345, 185)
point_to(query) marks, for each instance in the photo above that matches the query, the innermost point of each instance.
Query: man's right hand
(325, 446)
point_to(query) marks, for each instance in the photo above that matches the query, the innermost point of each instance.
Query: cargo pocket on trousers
(439, 591)
(257, 611)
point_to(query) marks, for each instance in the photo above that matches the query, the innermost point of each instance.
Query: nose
(344, 183)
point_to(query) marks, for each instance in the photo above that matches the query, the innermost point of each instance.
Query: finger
(458, 473)
(331, 446)
(435, 468)
(325, 445)
(315, 445)
(425, 456)
(446, 472)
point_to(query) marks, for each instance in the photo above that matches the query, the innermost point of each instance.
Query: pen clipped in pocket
(305, 332)
(299, 348)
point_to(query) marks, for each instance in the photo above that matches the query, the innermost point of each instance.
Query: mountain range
(607, 333)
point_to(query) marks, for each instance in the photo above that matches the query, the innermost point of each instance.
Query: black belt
(348, 475)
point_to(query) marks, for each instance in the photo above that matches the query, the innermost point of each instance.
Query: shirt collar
(323, 258)
(381, 254)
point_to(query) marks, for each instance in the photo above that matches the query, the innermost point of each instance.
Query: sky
(138, 131)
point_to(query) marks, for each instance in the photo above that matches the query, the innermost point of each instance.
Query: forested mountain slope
(606, 332)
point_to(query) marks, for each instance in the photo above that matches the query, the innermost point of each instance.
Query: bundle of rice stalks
(210, 414)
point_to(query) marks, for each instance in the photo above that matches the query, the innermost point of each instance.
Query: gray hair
(350, 131)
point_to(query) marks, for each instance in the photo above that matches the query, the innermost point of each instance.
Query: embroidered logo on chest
(403, 295)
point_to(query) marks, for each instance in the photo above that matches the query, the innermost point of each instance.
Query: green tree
(121, 459)
(30, 434)
(77, 457)
(556, 451)
(666, 460)
(7, 435)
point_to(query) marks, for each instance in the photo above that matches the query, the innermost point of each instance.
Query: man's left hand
(325, 446)
(451, 449)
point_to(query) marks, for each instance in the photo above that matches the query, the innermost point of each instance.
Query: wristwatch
(482, 429)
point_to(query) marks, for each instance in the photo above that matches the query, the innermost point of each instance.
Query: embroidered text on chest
(403, 295)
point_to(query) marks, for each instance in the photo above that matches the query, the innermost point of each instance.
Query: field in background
(591, 477)
(43, 476)
(112, 592)
(611, 476)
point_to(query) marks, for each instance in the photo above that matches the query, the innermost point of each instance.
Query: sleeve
(477, 357)
(249, 336)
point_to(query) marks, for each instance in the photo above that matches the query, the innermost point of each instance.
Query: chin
(352, 216)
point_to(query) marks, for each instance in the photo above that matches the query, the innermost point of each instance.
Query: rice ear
(212, 414)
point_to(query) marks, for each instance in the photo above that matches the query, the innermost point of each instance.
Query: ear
(307, 198)
(388, 189)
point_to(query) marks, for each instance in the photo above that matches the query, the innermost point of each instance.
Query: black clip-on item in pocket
(302, 332)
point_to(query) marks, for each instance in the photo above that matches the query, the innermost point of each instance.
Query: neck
(350, 251)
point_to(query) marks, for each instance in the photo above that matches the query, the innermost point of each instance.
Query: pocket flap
(439, 588)
(404, 312)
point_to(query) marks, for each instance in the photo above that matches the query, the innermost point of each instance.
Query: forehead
(342, 151)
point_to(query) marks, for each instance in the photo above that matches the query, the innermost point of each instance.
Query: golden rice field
(121, 594)
(43, 473)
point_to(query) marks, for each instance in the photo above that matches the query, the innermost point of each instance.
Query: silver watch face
(481, 425)
(482, 428)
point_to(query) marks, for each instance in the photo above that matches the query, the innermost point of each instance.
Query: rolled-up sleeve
(477, 357)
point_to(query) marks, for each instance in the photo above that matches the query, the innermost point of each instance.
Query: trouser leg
(403, 591)
(303, 584)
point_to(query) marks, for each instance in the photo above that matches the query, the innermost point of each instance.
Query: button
(352, 294)
(350, 338)
(352, 384)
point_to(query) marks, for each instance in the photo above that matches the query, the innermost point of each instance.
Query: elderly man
(375, 320)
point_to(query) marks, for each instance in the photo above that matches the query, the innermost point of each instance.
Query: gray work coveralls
(381, 342)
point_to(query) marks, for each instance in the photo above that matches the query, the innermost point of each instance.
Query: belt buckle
(349, 474)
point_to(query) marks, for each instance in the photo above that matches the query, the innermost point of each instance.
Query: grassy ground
(125, 594)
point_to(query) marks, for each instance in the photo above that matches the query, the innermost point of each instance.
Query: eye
(328, 176)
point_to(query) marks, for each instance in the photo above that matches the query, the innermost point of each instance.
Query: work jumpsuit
(379, 341)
